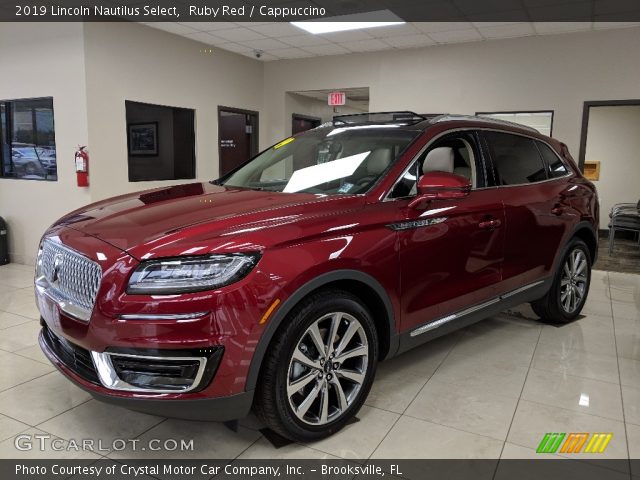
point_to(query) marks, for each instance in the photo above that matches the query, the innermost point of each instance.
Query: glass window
(160, 142)
(331, 160)
(27, 139)
(516, 159)
(541, 121)
(466, 161)
(554, 164)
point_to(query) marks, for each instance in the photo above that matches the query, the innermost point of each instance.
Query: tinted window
(27, 139)
(554, 164)
(515, 158)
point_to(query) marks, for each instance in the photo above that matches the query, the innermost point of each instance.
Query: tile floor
(489, 391)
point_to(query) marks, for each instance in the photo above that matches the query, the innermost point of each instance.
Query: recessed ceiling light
(343, 23)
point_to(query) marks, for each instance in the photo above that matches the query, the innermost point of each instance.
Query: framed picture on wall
(142, 139)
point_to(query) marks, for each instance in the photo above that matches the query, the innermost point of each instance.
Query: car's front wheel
(320, 367)
(570, 287)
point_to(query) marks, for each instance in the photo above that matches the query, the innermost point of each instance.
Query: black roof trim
(379, 118)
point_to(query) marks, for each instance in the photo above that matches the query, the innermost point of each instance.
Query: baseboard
(620, 234)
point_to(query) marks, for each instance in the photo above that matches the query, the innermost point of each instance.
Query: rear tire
(568, 293)
(319, 368)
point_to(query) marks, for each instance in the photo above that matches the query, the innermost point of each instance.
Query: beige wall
(613, 138)
(91, 70)
(126, 61)
(557, 72)
(44, 60)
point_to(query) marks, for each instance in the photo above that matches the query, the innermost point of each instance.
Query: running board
(444, 320)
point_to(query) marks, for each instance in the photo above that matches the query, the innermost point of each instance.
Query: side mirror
(440, 186)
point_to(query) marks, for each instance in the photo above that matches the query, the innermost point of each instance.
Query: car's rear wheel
(570, 287)
(320, 367)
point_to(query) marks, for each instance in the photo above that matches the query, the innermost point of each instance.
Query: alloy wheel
(574, 281)
(327, 368)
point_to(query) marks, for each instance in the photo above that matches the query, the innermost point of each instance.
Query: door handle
(557, 210)
(490, 224)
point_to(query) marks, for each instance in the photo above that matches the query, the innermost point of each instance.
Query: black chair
(624, 216)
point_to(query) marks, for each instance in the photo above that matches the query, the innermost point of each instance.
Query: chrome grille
(70, 276)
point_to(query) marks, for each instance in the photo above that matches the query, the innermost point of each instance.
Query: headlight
(190, 274)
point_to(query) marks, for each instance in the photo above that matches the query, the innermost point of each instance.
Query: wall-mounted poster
(143, 139)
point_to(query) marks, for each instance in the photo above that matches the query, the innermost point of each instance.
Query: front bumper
(191, 322)
(76, 364)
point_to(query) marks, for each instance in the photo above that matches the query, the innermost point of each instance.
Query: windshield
(341, 160)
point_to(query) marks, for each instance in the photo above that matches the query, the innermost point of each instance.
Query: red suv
(282, 284)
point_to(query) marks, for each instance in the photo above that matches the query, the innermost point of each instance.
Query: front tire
(568, 293)
(320, 367)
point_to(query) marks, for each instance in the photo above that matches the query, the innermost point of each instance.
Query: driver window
(454, 153)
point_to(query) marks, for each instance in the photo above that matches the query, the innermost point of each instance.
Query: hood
(184, 214)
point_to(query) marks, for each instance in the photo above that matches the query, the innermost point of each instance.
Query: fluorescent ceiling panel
(342, 23)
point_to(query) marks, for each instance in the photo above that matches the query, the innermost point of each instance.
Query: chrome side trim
(109, 378)
(426, 222)
(441, 321)
(521, 289)
(162, 316)
(449, 318)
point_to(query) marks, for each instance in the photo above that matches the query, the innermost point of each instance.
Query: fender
(298, 295)
(578, 226)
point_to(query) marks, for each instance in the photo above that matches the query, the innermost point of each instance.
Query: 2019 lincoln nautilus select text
(280, 286)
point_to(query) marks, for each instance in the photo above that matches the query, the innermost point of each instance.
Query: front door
(237, 137)
(451, 252)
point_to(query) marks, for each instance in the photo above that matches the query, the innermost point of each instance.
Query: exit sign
(337, 98)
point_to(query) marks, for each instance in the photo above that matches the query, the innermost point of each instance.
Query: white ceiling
(283, 40)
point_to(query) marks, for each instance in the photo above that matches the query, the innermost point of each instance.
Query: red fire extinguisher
(82, 166)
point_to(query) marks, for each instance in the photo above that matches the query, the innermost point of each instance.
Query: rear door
(534, 205)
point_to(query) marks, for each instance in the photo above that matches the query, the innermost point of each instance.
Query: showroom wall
(44, 60)
(555, 72)
(91, 69)
(613, 138)
(127, 61)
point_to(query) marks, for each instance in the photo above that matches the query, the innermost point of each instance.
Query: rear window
(554, 163)
(516, 159)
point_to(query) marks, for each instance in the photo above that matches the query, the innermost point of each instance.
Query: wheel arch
(585, 232)
(358, 283)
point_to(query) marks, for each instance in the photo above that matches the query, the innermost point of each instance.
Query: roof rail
(452, 117)
(378, 118)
